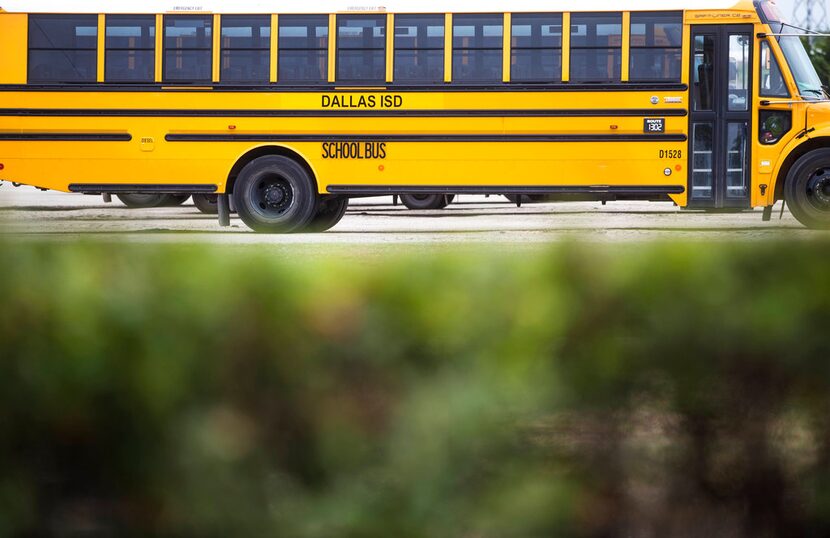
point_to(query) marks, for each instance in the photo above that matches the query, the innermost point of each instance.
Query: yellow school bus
(711, 104)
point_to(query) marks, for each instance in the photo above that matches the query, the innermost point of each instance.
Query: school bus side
(607, 141)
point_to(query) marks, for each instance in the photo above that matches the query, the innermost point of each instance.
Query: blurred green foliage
(819, 51)
(582, 391)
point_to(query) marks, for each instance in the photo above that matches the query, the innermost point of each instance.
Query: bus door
(720, 116)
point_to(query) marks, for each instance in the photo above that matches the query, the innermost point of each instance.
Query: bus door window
(704, 70)
(738, 73)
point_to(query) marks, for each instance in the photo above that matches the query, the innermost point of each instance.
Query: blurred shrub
(587, 391)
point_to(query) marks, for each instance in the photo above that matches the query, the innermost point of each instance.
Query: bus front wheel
(274, 194)
(808, 189)
(426, 201)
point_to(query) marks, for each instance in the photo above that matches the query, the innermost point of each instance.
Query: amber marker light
(679, 167)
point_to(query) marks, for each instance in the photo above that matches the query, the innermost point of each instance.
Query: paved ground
(27, 213)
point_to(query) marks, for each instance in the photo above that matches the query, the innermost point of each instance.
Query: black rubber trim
(66, 137)
(346, 88)
(345, 113)
(657, 190)
(97, 188)
(422, 138)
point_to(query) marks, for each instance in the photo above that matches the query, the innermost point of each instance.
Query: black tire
(275, 194)
(526, 198)
(173, 200)
(329, 213)
(427, 201)
(807, 189)
(207, 203)
(142, 201)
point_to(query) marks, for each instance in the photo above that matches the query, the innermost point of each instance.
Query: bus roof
(359, 6)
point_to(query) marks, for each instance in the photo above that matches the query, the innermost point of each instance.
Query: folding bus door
(720, 116)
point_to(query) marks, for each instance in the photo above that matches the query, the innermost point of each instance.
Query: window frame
(498, 78)
(674, 48)
(92, 78)
(560, 49)
(108, 49)
(165, 49)
(266, 48)
(575, 20)
(441, 18)
(281, 49)
(381, 79)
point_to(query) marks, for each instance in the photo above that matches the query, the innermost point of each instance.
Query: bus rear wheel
(207, 203)
(142, 201)
(808, 189)
(173, 200)
(146, 201)
(427, 201)
(328, 215)
(275, 194)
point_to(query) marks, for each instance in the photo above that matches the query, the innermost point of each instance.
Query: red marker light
(2, 166)
(232, 127)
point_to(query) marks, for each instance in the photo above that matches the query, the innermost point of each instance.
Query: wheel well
(262, 152)
(797, 153)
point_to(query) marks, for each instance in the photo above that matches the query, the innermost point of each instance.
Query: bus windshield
(806, 78)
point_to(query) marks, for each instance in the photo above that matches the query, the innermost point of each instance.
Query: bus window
(246, 48)
(704, 71)
(739, 72)
(63, 48)
(361, 48)
(596, 47)
(536, 48)
(303, 49)
(477, 48)
(419, 48)
(656, 47)
(131, 44)
(188, 46)
(772, 82)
